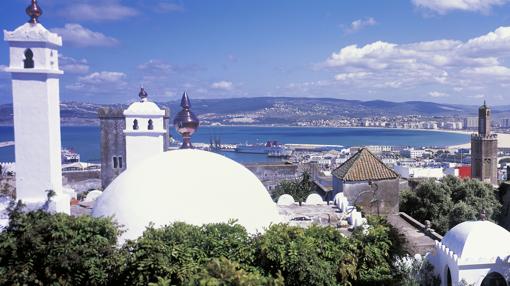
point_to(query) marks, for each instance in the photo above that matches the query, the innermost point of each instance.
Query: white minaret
(145, 131)
(35, 90)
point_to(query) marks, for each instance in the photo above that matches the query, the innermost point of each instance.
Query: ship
(270, 147)
(69, 156)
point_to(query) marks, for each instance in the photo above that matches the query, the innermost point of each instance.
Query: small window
(120, 162)
(135, 124)
(115, 162)
(29, 59)
(151, 125)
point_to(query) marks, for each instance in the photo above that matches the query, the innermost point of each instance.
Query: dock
(6, 144)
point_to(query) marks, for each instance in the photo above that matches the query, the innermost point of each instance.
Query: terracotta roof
(364, 166)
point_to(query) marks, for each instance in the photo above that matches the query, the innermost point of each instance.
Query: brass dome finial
(34, 11)
(185, 122)
(143, 94)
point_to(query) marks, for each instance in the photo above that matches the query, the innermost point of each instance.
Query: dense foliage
(298, 189)
(38, 248)
(451, 201)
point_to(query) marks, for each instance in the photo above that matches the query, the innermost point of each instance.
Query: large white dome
(191, 186)
(478, 240)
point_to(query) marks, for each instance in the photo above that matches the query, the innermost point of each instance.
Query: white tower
(35, 89)
(145, 131)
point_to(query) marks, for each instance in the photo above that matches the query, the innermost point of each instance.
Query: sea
(85, 139)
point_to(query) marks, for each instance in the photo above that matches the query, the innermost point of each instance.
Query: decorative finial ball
(34, 11)
(185, 122)
(143, 94)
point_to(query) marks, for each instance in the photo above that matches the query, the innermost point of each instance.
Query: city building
(367, 182)
(115, 130)
(35, 72)
(484, 149)
(409, 172)
(144, 130)
(471, 123)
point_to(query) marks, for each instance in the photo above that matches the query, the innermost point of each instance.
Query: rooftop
(364, 166)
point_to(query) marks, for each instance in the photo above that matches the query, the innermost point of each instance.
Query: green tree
(38, 248)
(429, 201)
(178, 251)
(298, 189)
(223, 272)
(451, 201)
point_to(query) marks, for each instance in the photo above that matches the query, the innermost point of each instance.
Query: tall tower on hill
(484, 149)
(36, 102)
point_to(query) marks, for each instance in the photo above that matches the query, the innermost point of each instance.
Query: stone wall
(384, 200)
(113, 143)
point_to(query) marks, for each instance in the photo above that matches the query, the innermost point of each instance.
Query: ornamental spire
(143, 94)
(34, 11)
(186, 123)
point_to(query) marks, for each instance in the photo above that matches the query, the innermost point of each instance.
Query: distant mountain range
(278, 110)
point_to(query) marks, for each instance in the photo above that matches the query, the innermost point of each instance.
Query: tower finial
(34, 11)
(143, 94)
(185, 122)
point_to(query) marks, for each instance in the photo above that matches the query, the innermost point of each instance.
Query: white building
(474, 253)
(412, 153)
(408, 172)
(145, 131)
(35, 72)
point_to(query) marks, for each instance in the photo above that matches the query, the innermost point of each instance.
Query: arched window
(151, 125)
(29, 59)
(494, 279)
(135, 124)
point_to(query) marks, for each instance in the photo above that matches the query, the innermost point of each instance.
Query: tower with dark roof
(484, 149)
(367, 182)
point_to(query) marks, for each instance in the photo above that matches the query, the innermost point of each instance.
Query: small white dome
(191, 186)
(143, 108)
(478, 239)
(314, 199)
(92, 196)
(286, 200)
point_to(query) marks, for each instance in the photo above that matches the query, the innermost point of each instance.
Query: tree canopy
(38, 248)
(451, 201)
(298, 189)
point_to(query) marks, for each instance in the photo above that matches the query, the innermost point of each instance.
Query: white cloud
(72, 65)
(103, 82)
(80, 36)
(444, 6)
(469, 65)
(156, 66)
(98, 11)
(223, 85)
(103, 77)
(360, 24)
(351, 75)
(493, 71)
(436, 94)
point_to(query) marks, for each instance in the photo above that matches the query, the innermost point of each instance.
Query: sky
(447, 51)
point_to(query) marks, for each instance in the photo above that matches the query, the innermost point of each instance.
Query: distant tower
(35, 89)
(484, 149)
(145, 130)
(113, 144)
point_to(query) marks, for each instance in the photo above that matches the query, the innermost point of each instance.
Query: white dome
(144, 108)
(314, 199)
(92, 196)
(478, 239)
(191, 186)
(286, 200)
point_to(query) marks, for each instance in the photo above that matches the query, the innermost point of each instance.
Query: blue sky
(451, 51)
